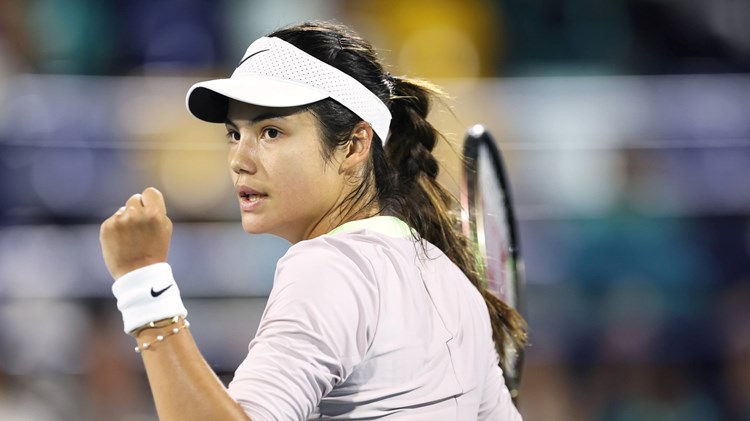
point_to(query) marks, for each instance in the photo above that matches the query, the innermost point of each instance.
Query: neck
(352, 206)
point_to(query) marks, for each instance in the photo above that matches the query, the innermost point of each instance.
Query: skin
(276, 152)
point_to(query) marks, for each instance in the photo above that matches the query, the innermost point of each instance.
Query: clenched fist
(137, 235)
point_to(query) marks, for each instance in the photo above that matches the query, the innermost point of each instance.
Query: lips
(250, 198)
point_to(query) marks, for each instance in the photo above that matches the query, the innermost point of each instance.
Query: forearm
(135, 242)
(183, 385)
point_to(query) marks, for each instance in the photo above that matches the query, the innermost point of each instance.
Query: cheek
(306, 185)
(293, 180)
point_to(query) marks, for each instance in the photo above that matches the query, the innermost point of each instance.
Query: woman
(376, 309)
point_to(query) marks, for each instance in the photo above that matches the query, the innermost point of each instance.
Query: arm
(496, 402)
(316, 328)
(183, 385)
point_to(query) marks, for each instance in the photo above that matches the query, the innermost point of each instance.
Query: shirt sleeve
(496, 404)
(316, 328)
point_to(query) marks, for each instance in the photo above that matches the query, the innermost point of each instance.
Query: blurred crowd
(624, 124)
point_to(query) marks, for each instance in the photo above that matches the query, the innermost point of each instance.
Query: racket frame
(472, 219)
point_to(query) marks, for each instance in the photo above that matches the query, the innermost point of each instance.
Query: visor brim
(209, 100)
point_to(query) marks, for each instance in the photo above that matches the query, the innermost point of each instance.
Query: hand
(137, 235)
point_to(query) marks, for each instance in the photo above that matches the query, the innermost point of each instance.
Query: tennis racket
(489, 221)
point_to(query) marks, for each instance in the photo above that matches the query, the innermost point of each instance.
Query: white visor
(274, 73)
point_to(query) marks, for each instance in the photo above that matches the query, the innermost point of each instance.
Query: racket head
(489, 221)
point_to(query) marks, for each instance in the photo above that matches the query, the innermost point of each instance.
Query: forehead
(241, 112)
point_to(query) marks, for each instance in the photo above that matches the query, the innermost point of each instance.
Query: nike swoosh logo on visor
(159, 292)
(253, 54)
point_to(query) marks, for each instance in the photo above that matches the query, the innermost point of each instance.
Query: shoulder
(353, 252)
(339, 247)
(327, 269)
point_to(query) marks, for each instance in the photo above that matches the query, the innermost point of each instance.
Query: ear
(358, 149)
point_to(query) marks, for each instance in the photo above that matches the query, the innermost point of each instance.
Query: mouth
(249, 198)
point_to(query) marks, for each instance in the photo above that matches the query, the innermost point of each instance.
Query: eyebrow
(260, 117)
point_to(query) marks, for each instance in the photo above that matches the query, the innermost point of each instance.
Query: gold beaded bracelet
(161, 338)
(159, 323)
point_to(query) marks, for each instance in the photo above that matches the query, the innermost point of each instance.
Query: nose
(241, 158)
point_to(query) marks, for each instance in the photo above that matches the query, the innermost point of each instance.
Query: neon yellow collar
(387, 225)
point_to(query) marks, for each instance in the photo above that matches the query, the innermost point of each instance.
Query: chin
(254, 225)
(251, 230)
(251, 226)
(254, 230)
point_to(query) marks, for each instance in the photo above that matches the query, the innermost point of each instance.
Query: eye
(270, 133)
(233, 136)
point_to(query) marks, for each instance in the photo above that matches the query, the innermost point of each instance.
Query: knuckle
(107, 224)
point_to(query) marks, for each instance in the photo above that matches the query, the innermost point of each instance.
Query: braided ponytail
(429, 207)
(401, 179)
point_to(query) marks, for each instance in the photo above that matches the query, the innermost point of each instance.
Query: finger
(135, 201)
(153, 197)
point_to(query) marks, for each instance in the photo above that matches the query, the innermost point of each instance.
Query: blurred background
(625, 123)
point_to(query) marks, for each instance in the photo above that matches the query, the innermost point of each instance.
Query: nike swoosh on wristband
(159, 292)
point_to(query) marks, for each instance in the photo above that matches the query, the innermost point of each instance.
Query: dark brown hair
(401, 179)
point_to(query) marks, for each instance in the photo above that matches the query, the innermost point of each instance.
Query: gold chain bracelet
(161, 338)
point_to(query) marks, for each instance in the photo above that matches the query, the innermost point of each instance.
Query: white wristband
(146, 295)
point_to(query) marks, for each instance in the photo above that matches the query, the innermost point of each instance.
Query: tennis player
(376, 310)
